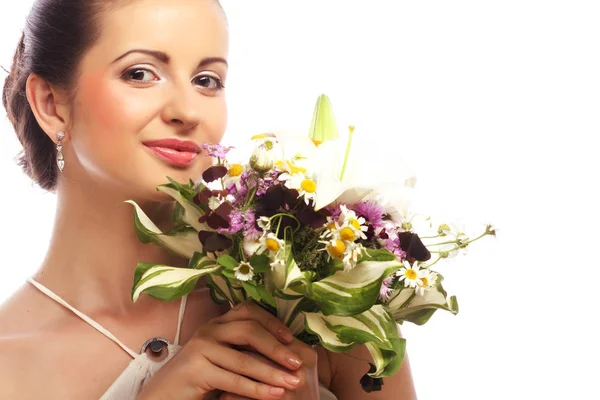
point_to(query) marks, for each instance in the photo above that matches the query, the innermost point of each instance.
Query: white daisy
(336, 248)
(353, 252)
(234, 174)
(330, 227)
(264, 223)
(272, 244)
(410, 275)
(305, 185)
(244, 271)
(353, 224)
(428, 280)
(250, 246)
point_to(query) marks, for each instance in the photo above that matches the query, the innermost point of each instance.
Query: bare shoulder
(17, 340)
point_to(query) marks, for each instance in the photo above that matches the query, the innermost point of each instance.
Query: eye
(140, 75)
(208, 82)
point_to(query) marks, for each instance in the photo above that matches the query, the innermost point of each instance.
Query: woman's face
(149, 95)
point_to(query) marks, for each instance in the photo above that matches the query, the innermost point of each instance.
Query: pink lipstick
(181, 153)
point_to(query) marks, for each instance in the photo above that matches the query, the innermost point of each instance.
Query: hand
(210, 363)
(308, 389)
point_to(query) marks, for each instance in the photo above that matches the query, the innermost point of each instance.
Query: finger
(244, 364)
(237, 384)
(307, 353)
(251, 333)
(249, 310)
(231, 396)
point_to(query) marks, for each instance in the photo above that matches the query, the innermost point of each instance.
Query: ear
(49, 106)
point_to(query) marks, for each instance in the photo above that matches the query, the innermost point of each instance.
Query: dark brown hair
(56, 34)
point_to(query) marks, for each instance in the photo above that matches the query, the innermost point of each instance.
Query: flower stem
(346, 156)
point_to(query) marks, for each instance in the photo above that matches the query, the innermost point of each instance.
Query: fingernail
(291, 380)
(277, 391)
(294, 362)
(286, 335)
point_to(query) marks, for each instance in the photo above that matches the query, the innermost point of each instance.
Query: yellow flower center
(411, 274)
(347, 234)
(425, 282)
(337, 248)
(354, 222)
(244, 269)
(309, 185)
(272, 244)
(236, 170)
(331, 226)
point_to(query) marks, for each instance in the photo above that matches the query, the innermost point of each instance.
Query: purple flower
(335, 211)
(236, 223)
(371, 211)
(216, 150)
(250, 228)
(393, 246)
(264, 184)
(239, 190)
(386, 289)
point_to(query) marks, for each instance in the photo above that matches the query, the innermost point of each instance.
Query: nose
(183, 110)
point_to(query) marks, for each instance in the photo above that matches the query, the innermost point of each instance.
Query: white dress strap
(99, 327)
(180, 319)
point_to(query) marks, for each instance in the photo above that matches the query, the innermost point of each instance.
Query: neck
(94, 250)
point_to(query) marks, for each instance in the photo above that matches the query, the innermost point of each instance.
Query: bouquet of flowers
(335, 258)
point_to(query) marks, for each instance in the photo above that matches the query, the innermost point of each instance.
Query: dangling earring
(60, 160)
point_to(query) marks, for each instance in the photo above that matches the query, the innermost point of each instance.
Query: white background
(494, 104)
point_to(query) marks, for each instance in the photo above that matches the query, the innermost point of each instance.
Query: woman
(108, 98)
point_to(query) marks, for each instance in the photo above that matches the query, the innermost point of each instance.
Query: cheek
(112, 108)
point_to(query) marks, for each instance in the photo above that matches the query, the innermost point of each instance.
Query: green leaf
(217, 295)
(181, 241)
(323, 126)
(225, 289)
(251, 289)
(352, 292)
(375, 327)
(164, 282)
(266, 296)
(378, 255)
(260, 263)
(229, 274)
(228, 262)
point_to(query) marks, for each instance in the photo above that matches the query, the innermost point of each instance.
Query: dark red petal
(414, 248)
(204, 235)
(203, 196)
(217, 242)
(213, 173)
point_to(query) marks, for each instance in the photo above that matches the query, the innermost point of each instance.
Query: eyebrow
(164, 57)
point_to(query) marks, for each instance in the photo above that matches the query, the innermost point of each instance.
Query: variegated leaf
(282, 277)
(289, 310)
(352, 292)
(182, 242)
(374, 327)
(166, 283)
(191, 212)
(227, 290)
(406, 305)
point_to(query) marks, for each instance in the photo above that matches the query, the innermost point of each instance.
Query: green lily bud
(323, 126)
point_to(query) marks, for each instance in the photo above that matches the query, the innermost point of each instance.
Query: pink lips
(177, 152)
